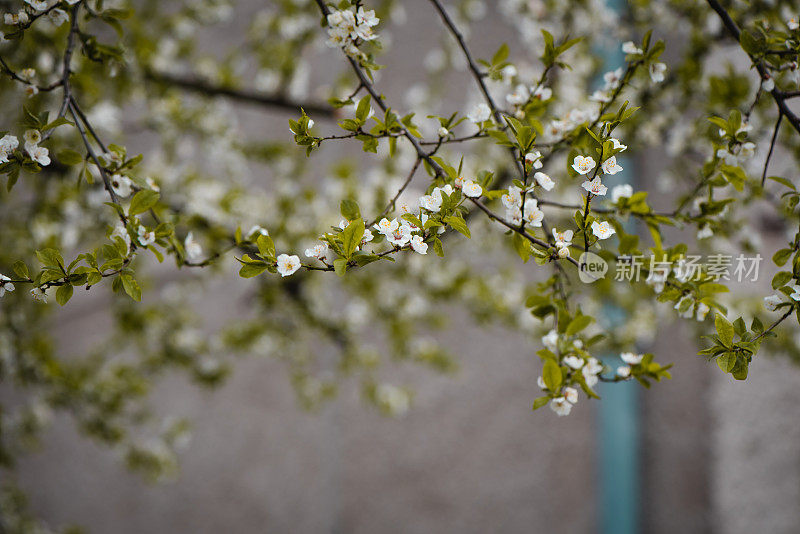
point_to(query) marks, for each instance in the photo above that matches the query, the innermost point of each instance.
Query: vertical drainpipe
(618, 416)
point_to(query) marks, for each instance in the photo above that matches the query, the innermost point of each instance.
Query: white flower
(533, 215)
(480, 113)
(400, 236)
(629, 47)
(5, 285)
(613, 78)
(574, 362)
(146, 237)
(152, 184)
(571, 394)
(367, 237)
(610, 166)
(583, 164)
(419, 245)
(603, 230)
(657, 72)
(121, 185)
(595, 187)
(533, 158)
(431, 202)
(471, 189)
(14, 19)
(443, 132)
(631, 358)
(386, 227)
(39, 154)
(513, 198)
(772, 301)
(287, 265)
(705, 232)
(561, 406)
(32, 137)
(792, 24)
(318, 251)
(563, 239)
(617, 145)
(519, 96)
(702, 311)
(58, 17)
(551, 340)
(367, 17)
(543, 93)
(747, 150)
(621, 191)
(38, 5)
(121, 232)
(39, 294)
(7, 145)
(194, 252)
(600, 96)
(590, 371)
(544, 180)
(768, 84)
(623, 371)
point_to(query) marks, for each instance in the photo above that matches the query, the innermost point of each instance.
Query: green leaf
(577, 324)
(340, 266)
(724, 329)
(21, 269)
(350, 209)
(69, 157)
(726, 361)
(351, 237)
(143, 201)
(63, 294)
(249, 270)
(265, 246)
(781, 279)
(540, 401)
(551, 374)
(56, 123)
(458, 225)
(131, 287)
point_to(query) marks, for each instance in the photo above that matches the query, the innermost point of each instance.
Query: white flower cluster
(5, 285)
(346, 28)
(39, 154)
(589, 367)
(522, 95)
(512, 200)
(8, 144)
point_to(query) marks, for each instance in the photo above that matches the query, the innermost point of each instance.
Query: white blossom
(544, 180)
(121, 185)
(595, 187)
(550, 340)
(629, 47)
(146, 237)
(419, 245)
(657, 72)
(471, 189)
(5, 285)
(621, 191)
(194, 252)
(617, 145)
(610, 166)
(623, 371)
(603, 230)
(771, 302)
(318, 251)
(631, 358)
(39, 295)
(561, 406)
(574, 362)
(39, 154)
(480, 113)
(287, 265)
(583, 164)
(8, 144)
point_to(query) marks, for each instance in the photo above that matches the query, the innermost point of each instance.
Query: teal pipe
(618, 416)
